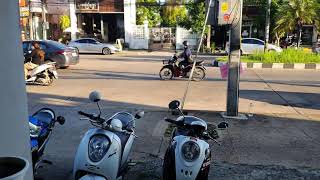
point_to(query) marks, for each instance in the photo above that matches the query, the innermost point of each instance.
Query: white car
(92, 45)
(253, 45)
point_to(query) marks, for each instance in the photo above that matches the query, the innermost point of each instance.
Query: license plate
(74, 54)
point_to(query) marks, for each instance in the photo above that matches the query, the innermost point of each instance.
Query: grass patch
(289, 56)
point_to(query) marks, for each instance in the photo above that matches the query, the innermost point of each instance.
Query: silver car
(91, 45)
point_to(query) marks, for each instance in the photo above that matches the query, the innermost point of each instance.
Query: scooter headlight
(190, 151)
(98, 147)
(34, 130)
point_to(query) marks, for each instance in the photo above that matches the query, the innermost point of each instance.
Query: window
(246, 41)
(91, 41)
(254, 41)
(25, 46)
(43, 46)
(82, 41)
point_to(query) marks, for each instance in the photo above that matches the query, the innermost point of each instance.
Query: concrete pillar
(14, 129)
(73, 20)
(129, 18)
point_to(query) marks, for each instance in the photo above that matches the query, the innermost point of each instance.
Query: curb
(281, 66)
(297, 66)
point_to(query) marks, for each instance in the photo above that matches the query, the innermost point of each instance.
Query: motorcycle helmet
(185, 43)
(116, 124)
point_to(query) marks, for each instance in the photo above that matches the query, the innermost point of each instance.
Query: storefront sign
(24, 11)
(87, 5)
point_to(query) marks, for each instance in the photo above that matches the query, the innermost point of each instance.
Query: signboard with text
(87, 5)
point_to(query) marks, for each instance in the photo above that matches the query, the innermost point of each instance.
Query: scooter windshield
(126, 118)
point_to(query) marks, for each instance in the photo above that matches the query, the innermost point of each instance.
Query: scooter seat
(44, 117)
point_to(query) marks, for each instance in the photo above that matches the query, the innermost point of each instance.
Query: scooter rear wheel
(198, 74)
(166, 73)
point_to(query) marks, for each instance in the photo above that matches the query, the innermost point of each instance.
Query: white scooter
(103, 151)
(188, 156)
(43, 74)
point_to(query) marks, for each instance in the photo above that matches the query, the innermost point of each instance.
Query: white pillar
(129, 18)
(73, 20)
(14, 130)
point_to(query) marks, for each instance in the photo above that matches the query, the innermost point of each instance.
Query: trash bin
(13, 168)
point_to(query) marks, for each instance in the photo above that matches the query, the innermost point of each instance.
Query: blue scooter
(41, 125)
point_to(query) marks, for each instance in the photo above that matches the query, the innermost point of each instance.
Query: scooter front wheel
(166, 73)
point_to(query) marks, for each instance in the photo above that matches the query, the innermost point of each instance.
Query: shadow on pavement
(268, 141)
(294, 99)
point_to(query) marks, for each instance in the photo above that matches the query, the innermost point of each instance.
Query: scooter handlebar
(98, 119)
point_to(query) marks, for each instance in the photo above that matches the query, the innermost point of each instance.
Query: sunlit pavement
(283, 130)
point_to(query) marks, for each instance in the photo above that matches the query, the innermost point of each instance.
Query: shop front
(102, 19)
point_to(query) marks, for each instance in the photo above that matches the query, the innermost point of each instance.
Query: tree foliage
(292, 13)
(64, 22)
(196, 13)
(173, 14)
(148, 10)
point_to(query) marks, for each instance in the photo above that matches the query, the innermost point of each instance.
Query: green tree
(148, 10)
(64, 22)
(292, 14)
(172, 12)
(196, 14)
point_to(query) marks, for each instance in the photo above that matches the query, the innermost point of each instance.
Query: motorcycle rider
(37, 58)
(186, 55)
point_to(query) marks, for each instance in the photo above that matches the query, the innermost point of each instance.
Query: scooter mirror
(139, 115)
(95, 96)
(223, 125)
(61, 120)
(174, 104)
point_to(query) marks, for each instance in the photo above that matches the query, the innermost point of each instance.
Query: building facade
(107, 20)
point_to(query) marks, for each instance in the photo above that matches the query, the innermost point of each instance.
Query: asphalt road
(132, 83)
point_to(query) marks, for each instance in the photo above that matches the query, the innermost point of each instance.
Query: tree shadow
(294, 99)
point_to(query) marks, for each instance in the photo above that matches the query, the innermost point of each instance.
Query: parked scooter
(43, 74)
(172, 69)
(188, 156)
(103, 151)
(41, 125)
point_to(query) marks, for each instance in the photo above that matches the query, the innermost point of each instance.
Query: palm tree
(293, 14)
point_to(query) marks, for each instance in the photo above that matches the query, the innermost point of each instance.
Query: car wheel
(106, 51)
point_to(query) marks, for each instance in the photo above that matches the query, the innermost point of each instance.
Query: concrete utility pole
(234, 62)
(30, 21)
(14, 129)
(267, 24)
(73, 20)
(44, 20)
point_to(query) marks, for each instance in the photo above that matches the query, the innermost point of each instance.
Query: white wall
(183, 34)
(14, 129)
(140, 37)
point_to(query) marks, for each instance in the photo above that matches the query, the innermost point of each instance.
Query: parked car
(92, 45)
(253, 45)
(63, 55)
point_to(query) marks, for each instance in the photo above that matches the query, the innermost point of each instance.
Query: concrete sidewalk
(263, 147)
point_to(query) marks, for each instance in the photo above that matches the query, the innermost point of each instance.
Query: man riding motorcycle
(37, 58)
(186, 55)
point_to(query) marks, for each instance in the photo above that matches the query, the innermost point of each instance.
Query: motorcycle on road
(172, 69)
(43, 74)
(188, 156)
(103, 151)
